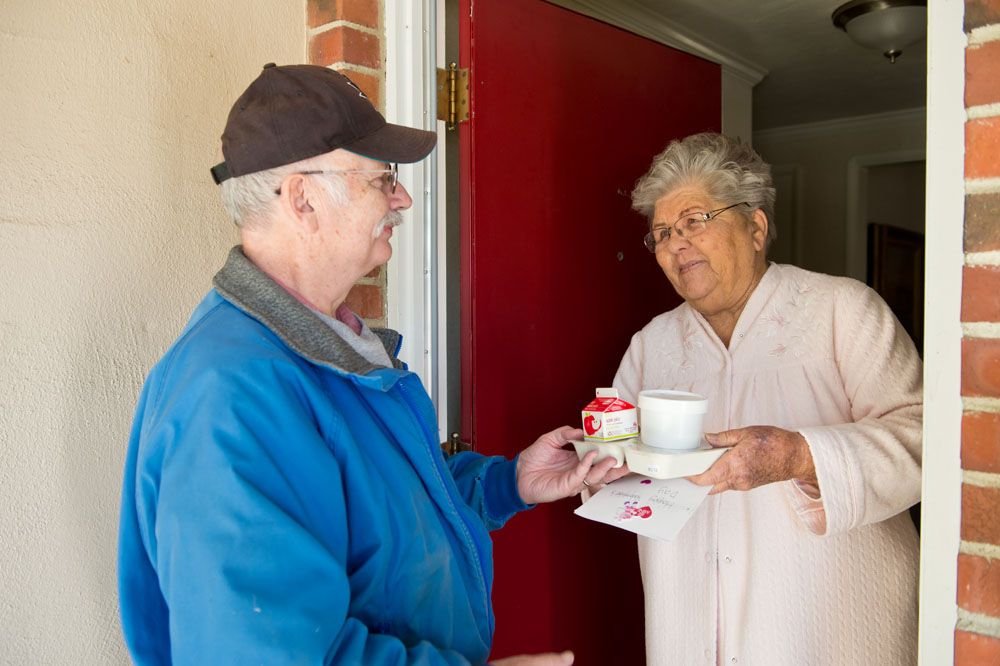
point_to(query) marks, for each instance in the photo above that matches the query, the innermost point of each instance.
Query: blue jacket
(285, 501)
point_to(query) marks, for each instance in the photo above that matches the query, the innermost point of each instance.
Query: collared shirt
(362, 339)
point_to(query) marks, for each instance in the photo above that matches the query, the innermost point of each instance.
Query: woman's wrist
(806, 468)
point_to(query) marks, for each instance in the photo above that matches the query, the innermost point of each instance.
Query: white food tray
(651, 461)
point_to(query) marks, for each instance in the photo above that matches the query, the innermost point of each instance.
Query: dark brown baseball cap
(293, 112)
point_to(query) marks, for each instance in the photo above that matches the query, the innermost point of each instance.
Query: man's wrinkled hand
(547, 471)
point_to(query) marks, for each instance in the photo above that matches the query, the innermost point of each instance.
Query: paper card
(654, 508)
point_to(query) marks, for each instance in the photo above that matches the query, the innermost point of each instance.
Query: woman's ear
(759, 226)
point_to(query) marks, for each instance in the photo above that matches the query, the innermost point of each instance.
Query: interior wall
(737, 105)
(819, 156)
(110, 232)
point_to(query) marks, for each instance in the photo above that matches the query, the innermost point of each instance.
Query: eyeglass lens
(686, 227)
(393, 177)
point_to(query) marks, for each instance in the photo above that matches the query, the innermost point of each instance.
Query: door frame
(417, 274)
(941, 506)
(855, 241)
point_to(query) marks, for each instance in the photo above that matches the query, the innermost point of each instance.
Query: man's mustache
(392, 219)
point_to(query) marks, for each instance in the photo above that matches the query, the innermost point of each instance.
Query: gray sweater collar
(250, 289)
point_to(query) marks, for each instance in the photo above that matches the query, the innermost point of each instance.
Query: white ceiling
(814, 71)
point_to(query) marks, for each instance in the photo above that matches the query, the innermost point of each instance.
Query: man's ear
(759, 224)
(297, 197)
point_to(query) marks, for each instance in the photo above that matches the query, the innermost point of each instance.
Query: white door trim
(941, 507)
(415, 275)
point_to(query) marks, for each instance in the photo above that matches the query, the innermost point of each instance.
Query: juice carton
(607, 417)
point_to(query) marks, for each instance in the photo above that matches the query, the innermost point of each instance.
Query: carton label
(608, 417)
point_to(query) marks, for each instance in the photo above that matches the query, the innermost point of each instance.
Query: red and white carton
(607, 417)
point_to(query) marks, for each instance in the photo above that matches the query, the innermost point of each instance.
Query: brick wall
(347, 35)
(977, 635)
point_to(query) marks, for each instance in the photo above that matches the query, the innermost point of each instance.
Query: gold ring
(585, 483)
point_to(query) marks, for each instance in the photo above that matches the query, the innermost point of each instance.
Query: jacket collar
(250, 289)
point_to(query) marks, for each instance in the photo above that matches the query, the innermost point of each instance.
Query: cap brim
(394, 143)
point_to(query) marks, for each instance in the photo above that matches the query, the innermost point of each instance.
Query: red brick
(982, 74)
(369, 84)
(976, 649)
(981, 367)
(366, 301)
(982, 148)
(979, 584)
(981, 293)
(981, 442)
(979, 13)
(982, 222)
(363, 12)
(980, 508)
(345, 45)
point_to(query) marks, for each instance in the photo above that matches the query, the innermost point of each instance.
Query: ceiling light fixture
(886, 25)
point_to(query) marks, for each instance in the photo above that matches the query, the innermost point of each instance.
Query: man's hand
(759, 455)
(547, 472)
(547, 659)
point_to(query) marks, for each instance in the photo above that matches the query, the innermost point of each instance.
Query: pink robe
(771, 576)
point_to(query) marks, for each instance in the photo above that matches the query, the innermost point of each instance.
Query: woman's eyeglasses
(687, 227)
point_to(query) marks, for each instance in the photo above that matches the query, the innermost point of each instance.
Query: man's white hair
(249, 199)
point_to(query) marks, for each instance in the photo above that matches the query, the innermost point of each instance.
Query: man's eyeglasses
(689, 226)
(389, 179)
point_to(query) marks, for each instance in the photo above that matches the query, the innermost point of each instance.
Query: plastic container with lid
(671, 419)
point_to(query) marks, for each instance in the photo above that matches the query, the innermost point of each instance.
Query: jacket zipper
(437, 464)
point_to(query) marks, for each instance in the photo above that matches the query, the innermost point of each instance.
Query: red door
(567, 113)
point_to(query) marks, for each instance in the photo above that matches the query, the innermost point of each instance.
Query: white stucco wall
(110, 231)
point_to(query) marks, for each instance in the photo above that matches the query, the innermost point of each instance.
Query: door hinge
(452, 95)
(455, 445)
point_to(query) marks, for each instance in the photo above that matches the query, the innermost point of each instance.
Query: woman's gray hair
(248, 198)
(729, 170)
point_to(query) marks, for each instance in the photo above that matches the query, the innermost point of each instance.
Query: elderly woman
(803, 553)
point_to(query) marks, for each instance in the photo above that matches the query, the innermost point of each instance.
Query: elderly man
(285, 499)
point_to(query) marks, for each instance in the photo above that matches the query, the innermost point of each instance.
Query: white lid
(677, 402)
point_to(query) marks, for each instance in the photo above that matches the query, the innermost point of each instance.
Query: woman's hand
(547, 472)
(758, 455)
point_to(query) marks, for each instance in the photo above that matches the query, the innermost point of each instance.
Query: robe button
(729, 560)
